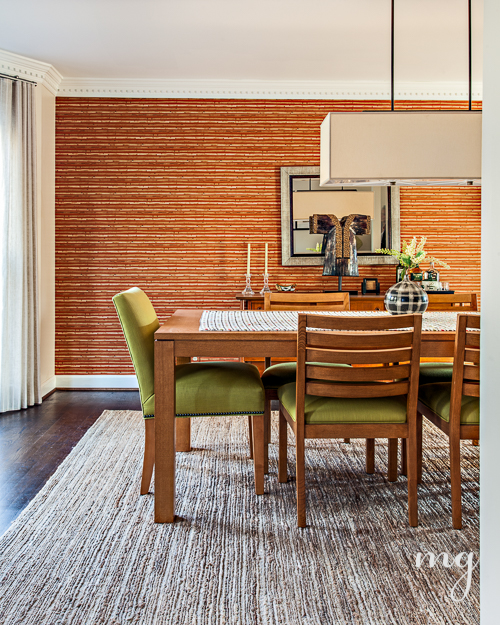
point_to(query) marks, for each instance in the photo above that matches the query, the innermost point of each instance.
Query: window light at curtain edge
(401, 147)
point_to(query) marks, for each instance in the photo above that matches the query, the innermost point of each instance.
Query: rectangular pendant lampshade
(401, 147)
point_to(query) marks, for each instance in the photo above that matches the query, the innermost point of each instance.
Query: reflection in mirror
(302, 198)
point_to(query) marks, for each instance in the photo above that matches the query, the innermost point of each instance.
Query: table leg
(183, 426)
(164, 432)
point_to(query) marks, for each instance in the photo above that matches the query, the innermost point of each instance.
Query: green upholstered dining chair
(431, 372)
(371, 400)
(202, 389)
(453, 406)
(441, 371)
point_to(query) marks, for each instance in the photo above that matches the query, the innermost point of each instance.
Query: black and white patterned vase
(406, 297)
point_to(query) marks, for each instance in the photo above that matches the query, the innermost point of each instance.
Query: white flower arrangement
(413, 254)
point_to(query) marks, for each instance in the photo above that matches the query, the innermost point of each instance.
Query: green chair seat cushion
(345, 410)
(431, 372)
(437, 397)
(215, 388)
(285, 372)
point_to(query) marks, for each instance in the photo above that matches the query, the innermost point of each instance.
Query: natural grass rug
(86, 550)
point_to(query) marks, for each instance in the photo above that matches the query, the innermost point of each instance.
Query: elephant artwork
(339, 241)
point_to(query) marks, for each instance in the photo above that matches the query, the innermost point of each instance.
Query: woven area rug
(86, 550)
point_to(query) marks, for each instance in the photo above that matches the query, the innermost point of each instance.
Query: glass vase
(406, 297)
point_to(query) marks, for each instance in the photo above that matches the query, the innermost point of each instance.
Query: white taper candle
(265, 264)
(248, 259)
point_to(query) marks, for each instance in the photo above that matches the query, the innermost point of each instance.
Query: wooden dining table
(180, 339)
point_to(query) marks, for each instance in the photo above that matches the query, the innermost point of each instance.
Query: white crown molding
(242, 89)
(46, 74)
(30, 69)
(96, 381)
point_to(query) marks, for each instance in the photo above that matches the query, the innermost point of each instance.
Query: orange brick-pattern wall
(451, 218)
(166, 194)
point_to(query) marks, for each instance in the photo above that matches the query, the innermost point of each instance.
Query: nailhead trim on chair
(209, 414)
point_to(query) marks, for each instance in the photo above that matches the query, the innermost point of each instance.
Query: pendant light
(402, 147)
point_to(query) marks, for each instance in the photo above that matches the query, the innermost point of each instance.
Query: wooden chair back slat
(306, 301)
(377, 323)
(472, 339)
(471, 372)
(359, 357)
(360, 340)
(351, 374)
(466, 302)
(471, 355)
(474, 321)
(326, 389)
(470, 389)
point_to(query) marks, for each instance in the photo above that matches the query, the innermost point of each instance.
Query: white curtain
(19, 335)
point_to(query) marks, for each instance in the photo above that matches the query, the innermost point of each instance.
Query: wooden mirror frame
(288, 260)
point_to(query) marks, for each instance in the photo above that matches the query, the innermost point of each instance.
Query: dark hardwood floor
(35, 441)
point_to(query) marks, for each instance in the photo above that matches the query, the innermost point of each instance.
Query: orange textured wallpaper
(166, 194)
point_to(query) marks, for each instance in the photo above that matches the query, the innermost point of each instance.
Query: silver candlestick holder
(248, 286)
(265, 288)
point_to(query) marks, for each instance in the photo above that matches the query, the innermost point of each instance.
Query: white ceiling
(273, 40)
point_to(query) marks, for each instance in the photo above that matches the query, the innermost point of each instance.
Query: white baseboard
(49, 385)
(96, 381)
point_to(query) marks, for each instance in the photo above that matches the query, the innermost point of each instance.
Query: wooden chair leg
(183, 434)
(267, 433)
(456, 483)
(282, 451)
(392, 470)
(347, 440)
(258, 452)
(411, 446)
(370, 455)
(149, 455)
(419, 448)
(250, 437)
(300, 479)
(404, 464)
(183, 426)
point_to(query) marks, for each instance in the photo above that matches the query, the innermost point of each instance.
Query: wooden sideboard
(357, 302)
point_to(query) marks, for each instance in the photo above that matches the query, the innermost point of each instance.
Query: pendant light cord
(470, 55)
(392, 55)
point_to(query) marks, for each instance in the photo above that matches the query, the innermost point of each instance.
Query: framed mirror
(301, 197)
